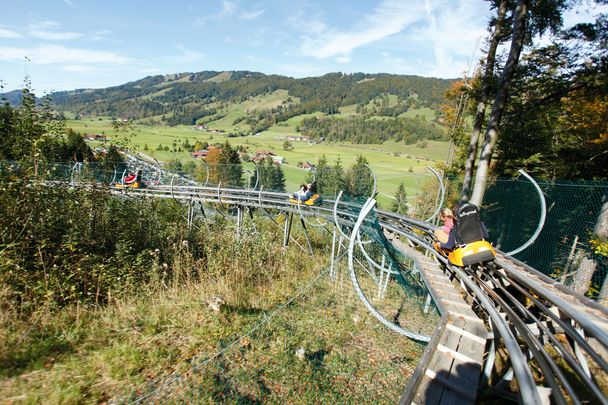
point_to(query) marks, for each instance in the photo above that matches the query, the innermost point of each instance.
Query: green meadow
(392, 162)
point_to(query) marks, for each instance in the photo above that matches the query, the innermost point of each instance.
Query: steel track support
(306, 234)
(338, 255)
(381, 281)
(190, 215)
(427, 304)
(489, 363)
(387, 279)
(332, 269)
(202, 210)
(239, 219)
(287, 228)
(578, 352)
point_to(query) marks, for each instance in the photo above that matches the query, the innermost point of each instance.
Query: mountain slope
(183, 98)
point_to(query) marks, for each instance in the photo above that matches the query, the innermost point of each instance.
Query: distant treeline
(185, 98)
(360, 130)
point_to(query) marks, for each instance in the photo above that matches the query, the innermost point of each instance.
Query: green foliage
(72, 148)
(230, 166)
(400, 205)
(360, 180)
(322, 174)
(25, 128)
(175, 165)
(599, 247)
(554, 123)
(270, 175)
(337, 180)
(362, 130)
(112, 161)
(67, 245)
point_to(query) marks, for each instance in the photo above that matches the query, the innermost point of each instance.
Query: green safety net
(412, 308)
(512, 211)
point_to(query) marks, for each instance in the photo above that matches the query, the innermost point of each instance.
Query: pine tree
(230, 166)
(337, 181)
(360, 178)
(278, 178)
(400, 203)
(321, 175)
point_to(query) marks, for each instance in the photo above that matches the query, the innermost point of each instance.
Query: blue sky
(91, 43)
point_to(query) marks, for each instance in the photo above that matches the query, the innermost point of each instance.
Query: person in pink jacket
(447, 216)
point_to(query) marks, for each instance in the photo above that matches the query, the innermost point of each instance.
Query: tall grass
(109, 298)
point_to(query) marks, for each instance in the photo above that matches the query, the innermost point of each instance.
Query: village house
(261, 154)
(303, 138)
(279, 159)
(201, 154)
(94, 137)
(308, 166)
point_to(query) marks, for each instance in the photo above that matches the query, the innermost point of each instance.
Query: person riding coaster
(467, 243)
(132, 180)
(307, 195)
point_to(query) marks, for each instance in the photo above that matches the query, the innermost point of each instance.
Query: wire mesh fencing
(564, 248)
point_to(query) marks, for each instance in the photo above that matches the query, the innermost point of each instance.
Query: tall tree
(400, 205)
(360, 178)
(484, 95)
(278, 178)
(321, 174)
(230, 166)
(502, 94)
(337, 180)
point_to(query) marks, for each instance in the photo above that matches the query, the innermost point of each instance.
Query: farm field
(392, 162)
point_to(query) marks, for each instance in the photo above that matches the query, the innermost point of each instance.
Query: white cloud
(188, 55)
(453, 33)
(58, 54)
(47, 30)
(342, 59)
(78, 68)
(584, 13)
(388, 18)
(55, 36)
(6, 33)
(101, 35)
(69, 3)
(228, 9)
(251, 15)
(149, 71)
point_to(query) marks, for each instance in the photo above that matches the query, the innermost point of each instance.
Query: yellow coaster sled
(314, 200)
(472, 253)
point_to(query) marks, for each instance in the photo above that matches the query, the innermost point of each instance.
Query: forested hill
(184, 98)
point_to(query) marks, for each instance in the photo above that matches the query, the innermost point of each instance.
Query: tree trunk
(481, 105)
(601, 226)
(603, 297)
(583, 273)
(601, 232)
(502, 94)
